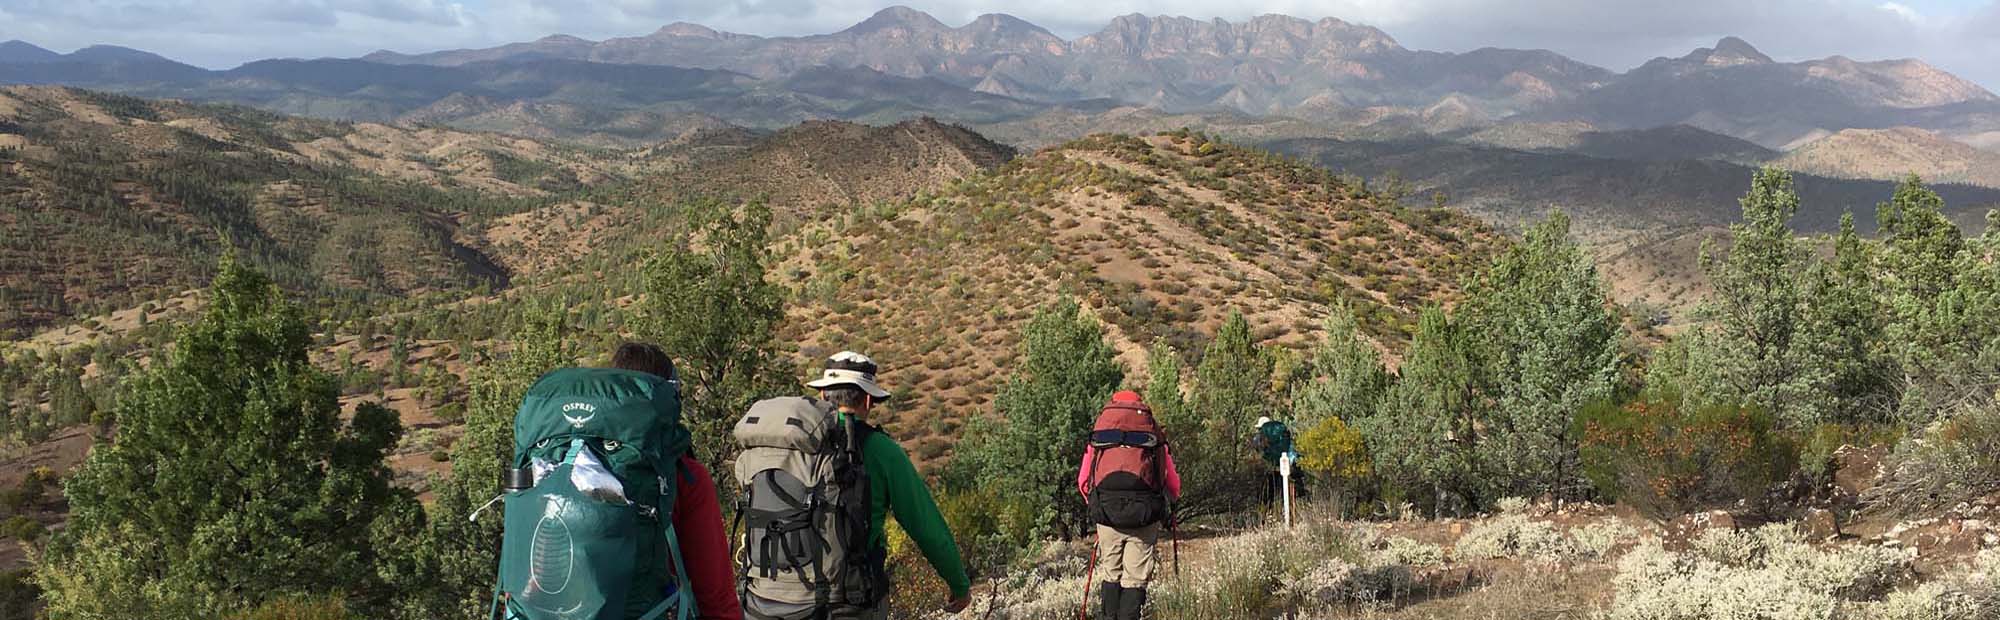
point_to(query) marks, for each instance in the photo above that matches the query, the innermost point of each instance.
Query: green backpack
(589, 505)
(1274, 439)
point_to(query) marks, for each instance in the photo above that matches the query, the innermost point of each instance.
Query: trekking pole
(1174, 537)
(1089, 574)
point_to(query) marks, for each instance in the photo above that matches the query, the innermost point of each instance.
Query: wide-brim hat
(850, 368)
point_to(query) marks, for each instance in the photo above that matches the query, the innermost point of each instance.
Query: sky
(1961, 36)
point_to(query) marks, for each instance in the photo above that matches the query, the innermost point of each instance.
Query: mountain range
(902, 63)
(1327, 70)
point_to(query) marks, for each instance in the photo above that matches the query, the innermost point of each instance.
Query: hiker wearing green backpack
(814, 541)
(606, 515)
(1273, 442)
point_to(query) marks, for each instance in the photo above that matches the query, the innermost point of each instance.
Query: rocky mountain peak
(1730, 51)
(899, 16)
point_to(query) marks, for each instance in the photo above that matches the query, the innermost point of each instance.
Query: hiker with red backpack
(819, 483)
(1128, 483)
(607, 515)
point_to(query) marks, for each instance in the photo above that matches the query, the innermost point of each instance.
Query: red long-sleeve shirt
(705, 545)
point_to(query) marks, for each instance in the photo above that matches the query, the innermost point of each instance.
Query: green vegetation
(234, 479)
(1263, 287)
(709, 305)
(1666, 459)
(1029, 456)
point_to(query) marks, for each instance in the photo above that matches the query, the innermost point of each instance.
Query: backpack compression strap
(682, 602)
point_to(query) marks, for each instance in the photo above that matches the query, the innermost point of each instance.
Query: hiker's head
(1261, 421)
(849, 382)
(643, 357)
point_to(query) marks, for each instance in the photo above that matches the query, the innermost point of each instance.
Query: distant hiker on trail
(814, 541)
(1128, 483)
(607, 515)
(1273, 441)
(697, 511)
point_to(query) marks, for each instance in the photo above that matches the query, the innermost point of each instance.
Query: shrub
(1667, 460)
(32, 488)
(1955, 460)
(1970, 594)
(1399, 550)
(1597, 540)
(1515, 536)
(299, 608)
(19, 597)
(1770, 572)
(22, 528)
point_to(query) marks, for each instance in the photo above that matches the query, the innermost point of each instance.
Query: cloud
(1959, 35)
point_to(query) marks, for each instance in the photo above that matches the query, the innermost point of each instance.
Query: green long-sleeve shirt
(897, 488)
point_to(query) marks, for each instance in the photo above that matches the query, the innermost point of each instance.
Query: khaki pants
(1127, 556)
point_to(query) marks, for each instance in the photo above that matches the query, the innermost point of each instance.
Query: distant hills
(1326, 70)
(1879, 153)
(902, 63)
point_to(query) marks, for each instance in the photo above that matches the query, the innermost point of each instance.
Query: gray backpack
(804, 512)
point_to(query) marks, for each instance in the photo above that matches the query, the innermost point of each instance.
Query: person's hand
(958, 604)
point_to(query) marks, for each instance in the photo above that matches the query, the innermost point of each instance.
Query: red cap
(1126, 396)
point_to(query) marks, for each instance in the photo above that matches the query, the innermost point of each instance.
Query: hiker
(1129, 483)
(600, 495)
(697, 510)
(1273, 442)
(815, 543)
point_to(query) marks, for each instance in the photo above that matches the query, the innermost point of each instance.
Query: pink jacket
(1172, 477)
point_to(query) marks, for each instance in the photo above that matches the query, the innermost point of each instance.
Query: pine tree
(1920, 245)
(1211, 432)
(1423, 435)
(1232, 388)
(1758, 311)
(1163, 385)
(1066, 372)
(1346, 376)
(710, 307)
(1847, 323)
(1546, 344)
(233, 479)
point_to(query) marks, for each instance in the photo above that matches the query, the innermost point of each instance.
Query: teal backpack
(589, 501)
(1274, 439)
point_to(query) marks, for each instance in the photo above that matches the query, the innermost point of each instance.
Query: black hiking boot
(1109, 596)
(1130, 603)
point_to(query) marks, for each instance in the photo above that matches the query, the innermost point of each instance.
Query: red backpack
(1126, 469)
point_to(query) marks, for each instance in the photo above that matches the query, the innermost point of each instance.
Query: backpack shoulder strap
(682, 602)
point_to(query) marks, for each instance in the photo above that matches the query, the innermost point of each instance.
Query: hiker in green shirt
(893, 484)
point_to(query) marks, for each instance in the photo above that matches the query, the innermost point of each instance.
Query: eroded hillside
(113, 201)
(1161, 236)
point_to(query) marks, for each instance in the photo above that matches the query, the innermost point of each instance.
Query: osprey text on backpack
(589, 525)
(1126, 477)
(804, 512)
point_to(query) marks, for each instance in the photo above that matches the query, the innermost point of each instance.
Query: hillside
(113, 201)
(1887, 153)
(824, 163)
(1644, 218)
(1162, 236)
(1670, 143)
